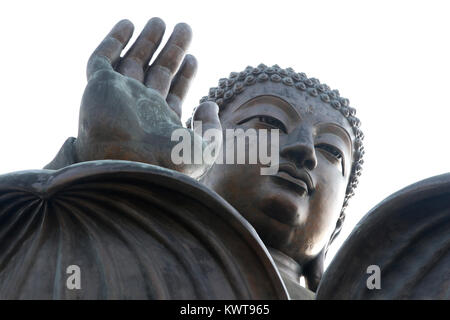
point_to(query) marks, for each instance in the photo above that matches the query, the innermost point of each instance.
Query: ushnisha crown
(229, 88)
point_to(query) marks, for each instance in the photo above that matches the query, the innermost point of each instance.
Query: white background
(391, 58)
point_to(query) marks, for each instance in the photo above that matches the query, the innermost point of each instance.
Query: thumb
(206, 123)
(208, 114)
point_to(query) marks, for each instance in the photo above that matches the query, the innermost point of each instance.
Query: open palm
(130, 108)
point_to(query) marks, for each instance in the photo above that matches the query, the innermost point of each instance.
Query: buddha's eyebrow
(287, 107)
(329, 127)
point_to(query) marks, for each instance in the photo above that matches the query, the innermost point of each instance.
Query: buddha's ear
(313, 271)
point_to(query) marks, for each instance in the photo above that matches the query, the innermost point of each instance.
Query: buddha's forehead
(306, 107)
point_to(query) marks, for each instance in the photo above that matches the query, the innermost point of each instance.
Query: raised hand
(130, 108)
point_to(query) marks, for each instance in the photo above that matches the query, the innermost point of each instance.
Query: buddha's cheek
(273, 210)
(325, 206)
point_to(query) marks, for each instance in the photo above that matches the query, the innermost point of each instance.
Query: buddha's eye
(268, 120)
(333, 151)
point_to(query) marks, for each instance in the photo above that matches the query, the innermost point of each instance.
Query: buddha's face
(294, 211)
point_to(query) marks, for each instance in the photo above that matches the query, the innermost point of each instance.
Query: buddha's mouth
(298, 178)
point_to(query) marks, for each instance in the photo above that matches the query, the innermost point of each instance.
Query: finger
(137, 58)
(108, 52)
(160, 73)
(181, 82)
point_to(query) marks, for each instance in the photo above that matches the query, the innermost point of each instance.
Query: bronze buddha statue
(320, 139)
(128, 112)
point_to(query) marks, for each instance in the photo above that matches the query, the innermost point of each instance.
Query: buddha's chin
(284, 206)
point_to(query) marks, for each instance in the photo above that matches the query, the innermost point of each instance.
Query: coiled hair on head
(228, 88)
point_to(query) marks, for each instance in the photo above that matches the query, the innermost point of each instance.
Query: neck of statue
(287, 266)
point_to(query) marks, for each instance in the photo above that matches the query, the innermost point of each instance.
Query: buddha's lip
(301, 178)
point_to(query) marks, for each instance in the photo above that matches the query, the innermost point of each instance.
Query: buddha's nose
(300, 150)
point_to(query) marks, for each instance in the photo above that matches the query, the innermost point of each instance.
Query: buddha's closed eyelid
(332, 151)
(271, 121)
